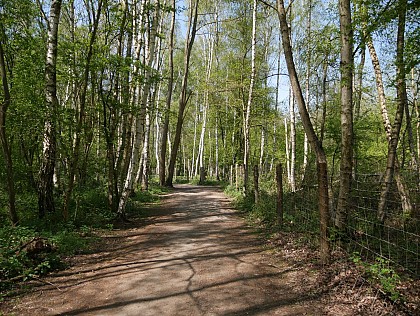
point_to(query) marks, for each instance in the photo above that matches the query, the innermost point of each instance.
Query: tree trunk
(324, 101)
(192, 29)
(292, 174)
(200, 157)
(346, 70)
(279, 204)
(256, 185)
(262, 147)
(193, 163)
(46, 170)
(250, 95)
(133, 167)
(308, 80)
(287, 145)
(164, 142)
(401, 186)
(416, 106)
(216, 134)
(401, 100)
(309, 130)
(142, 130)
(74, 160)
(7, 151)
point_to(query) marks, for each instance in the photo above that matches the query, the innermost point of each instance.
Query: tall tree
(165, 128)
(46, 170)
(189, 42)
(402, 188)
(247, 112)
(401, 101)
(139, 132)
(309, 130)
(346, 70)
(80, 119)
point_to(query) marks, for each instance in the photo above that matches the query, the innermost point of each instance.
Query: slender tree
(346, 70)
(247, 112)
(46, 171)
(402, 187)
(185, 94)
(164, 141)
(7, 152)
(309, 130)
(401, 100)
(81, 115)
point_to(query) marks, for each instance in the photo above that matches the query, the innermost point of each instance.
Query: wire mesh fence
(396, 240)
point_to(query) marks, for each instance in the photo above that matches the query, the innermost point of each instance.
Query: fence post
(279, 180)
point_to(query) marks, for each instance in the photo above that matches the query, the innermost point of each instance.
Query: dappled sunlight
(192, 256)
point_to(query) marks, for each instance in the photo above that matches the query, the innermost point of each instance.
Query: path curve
(194, 256)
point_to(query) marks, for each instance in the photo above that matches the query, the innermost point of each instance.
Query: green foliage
(380, 273)
(18, 264)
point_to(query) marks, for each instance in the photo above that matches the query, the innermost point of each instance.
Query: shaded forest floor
(194, 255)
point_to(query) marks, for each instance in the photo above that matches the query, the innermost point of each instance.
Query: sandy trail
(193, 256)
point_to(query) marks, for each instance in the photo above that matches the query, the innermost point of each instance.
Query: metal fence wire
(395, 241)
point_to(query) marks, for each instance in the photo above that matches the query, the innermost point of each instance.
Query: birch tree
(247, 112)
(401, 186)
(139, 132)
(401, 101)
(48, 160)
(80, 119)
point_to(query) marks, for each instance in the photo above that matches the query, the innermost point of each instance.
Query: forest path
(193, 256)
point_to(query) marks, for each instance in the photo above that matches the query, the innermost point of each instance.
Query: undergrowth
(39, 246)
(263, 215)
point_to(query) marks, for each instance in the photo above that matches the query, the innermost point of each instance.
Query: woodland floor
(195, 255)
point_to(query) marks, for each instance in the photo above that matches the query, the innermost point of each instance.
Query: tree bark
(46, 170)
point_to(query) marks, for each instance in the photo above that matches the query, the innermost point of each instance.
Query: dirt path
(194, 256)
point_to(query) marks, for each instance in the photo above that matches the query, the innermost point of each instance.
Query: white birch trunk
(193, 170)
(250, 95)
(292, 179)
(401, 186)
(287, 145)
(307, 85)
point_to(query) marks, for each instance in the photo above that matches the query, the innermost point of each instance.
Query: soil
(192, 255)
